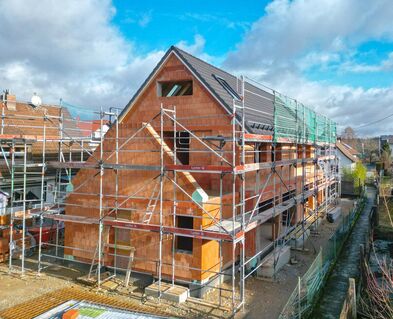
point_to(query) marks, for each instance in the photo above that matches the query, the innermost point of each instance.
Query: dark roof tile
(258, 102)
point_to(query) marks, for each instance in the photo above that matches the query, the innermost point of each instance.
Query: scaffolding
(258, 180)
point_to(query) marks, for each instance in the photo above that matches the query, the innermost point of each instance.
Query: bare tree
(348, 133)
(386, 158)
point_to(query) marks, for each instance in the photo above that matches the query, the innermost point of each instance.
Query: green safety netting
(296, 122)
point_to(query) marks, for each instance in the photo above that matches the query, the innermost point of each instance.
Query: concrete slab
(334, 215)
(282, 255)
(298, 241)
(174, 293)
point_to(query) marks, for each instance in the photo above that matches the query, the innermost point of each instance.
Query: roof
(27, 120)
(343, 148)
(259, 103)
(350, 149)
(88, 127)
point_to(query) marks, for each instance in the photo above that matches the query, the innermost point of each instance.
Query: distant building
(347, 155)
(22, 131)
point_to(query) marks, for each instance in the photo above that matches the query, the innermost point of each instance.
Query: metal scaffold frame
(304, 169)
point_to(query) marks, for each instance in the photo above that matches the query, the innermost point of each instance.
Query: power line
(367, 124)
(377, 121)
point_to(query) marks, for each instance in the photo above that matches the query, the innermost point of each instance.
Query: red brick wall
(201, 114)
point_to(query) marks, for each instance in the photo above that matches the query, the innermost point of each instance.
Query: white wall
(345, 161)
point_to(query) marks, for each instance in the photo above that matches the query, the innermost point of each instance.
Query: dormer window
(227, 87)
(174, 88)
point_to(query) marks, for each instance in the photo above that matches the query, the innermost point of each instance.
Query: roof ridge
(203, 61)
(345, 151)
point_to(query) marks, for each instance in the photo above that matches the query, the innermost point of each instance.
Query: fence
(302, 299)
(349, 307)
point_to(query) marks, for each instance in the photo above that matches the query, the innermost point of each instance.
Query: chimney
(10, 100)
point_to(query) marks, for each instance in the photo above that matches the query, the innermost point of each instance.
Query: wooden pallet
(37, 306)
(93, 280)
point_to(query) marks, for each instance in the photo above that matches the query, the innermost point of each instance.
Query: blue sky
(333, 55)
(159, 24)
(155, 25)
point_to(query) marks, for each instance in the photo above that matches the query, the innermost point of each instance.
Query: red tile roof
(344, 149)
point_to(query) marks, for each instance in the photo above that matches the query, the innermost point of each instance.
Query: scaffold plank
(199, 168)
(257, 137)
(26, 137)
(127, 224)
(88, 165)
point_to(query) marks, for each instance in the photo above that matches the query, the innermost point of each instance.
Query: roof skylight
(227, 87)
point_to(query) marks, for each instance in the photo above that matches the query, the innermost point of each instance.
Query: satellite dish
(36, 100)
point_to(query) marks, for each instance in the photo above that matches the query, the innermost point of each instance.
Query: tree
(386, 157)
(370, 149)
(347, 174)
(386, 148)
(348, 133)
(359, 174)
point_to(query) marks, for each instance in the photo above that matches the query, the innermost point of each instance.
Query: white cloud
(69, 49)
(290, 29)
(224, 21)
(383, 66)
(348, 105)
(195, 48)
(198, 49)
(145, 19)
(294, 36)
(142, 19)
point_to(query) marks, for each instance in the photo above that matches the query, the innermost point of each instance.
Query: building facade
(203, 173)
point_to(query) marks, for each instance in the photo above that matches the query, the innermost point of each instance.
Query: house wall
(345, 162)
(85, 202)
(205, 117)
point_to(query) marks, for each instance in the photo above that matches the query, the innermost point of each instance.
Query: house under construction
(204, 177)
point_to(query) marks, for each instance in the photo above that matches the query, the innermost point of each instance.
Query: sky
(333, 55)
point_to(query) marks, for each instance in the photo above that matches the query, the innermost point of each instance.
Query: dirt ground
(264, 299)
(15, 290)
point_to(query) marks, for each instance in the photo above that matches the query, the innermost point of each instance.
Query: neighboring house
(346, 155)
(204, 98)
(22, 129)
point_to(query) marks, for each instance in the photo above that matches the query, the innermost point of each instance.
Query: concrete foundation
(282, 255)
(300, 239)
(200, 289)
(168, 292)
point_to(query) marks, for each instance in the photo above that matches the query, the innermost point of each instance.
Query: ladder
(130, 261)
(92, 264)
(151, 206)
